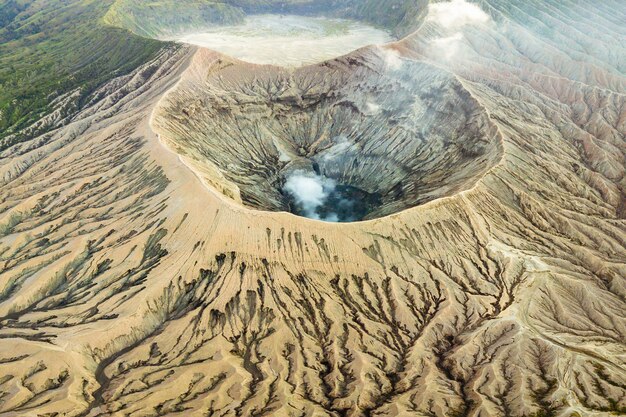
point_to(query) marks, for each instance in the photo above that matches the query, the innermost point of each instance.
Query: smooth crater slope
(287, 40)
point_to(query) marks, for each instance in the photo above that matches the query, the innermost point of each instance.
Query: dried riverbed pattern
(129, 288)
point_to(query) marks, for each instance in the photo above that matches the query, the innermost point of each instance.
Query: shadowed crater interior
(311, 194)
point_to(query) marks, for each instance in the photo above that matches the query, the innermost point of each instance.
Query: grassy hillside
(51, 47)
(156, 18)
(401, 16)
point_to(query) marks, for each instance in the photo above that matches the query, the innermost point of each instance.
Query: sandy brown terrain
(147, 267)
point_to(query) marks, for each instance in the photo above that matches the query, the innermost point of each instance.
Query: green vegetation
(401, 16)
(49, 48)
(157, 18)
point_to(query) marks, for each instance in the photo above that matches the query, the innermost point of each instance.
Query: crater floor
(287, 40)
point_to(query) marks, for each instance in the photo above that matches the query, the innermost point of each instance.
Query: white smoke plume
(453, 16)
(456, 14)
(448, 46)
(372, 107)
(392, 58)
(341, 147)
(311, 191)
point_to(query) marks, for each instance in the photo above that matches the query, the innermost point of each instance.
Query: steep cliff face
(144, 273)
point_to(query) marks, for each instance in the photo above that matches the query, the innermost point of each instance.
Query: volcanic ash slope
(147, 268)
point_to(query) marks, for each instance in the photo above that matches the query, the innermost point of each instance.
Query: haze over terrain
(430, 226)
(287, 40)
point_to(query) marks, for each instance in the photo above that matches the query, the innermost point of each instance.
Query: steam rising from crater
(321, 198)
(310, 191)
(457, 13)
(452, 17)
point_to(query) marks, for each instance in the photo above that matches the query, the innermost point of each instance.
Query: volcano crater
(356, 138)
